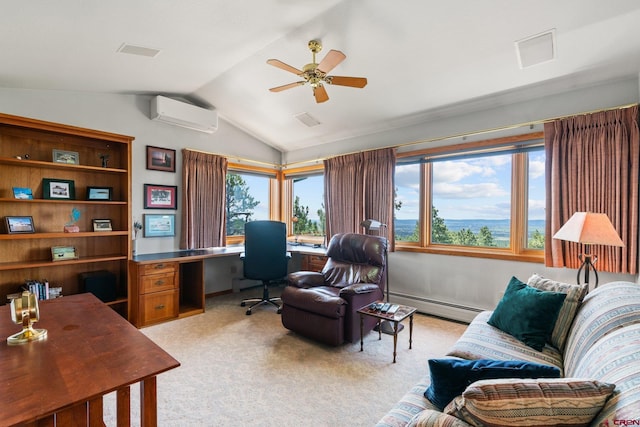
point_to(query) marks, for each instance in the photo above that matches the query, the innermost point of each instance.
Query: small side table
(403, 312)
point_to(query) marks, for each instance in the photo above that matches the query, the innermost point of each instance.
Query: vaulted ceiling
(420, 57)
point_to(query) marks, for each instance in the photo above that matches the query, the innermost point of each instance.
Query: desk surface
(89, 351)
(195, 254)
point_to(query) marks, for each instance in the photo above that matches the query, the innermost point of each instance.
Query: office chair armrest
(305, 279)
(359, 288)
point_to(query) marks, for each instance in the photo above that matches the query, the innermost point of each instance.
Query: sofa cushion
(527, 313)
(513, 402)
(482, 341)
(450, 377)
(431, 418)
(322, 300)
(412, 403)
(575, 295)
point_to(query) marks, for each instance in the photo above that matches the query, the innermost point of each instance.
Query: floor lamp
(373, 225)
(589, 228)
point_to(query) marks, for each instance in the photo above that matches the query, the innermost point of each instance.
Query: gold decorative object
(25, 310)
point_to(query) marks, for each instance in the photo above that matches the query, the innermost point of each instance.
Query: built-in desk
(169, 285)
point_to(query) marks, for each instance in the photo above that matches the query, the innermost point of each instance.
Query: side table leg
(361, 330)
(395, 340)
(410, 330)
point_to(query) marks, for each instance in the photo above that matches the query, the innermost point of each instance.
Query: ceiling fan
(315, 75)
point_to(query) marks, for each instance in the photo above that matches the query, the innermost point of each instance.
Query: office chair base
(260, 301)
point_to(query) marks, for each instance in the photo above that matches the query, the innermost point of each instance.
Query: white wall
(449, 286)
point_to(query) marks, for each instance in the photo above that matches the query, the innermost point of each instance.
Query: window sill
(528, 256)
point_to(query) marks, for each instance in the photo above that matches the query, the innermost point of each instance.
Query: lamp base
(28, 334)
(386, 327)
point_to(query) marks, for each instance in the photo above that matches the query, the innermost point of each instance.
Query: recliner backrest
(355, 258)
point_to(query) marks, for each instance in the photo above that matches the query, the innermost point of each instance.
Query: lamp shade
(590, 229)
(372, 224)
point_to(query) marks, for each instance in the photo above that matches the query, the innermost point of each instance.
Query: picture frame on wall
(19, 224)
(61, 189)
(161, 159)
(99, 193)
(160, 196)
(67, 157)
(163, 225)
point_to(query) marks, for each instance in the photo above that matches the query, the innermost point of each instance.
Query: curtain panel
(592, 166)
(203, 200)
(357, 187)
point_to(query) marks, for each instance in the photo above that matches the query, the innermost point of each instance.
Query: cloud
(536, 169)
(445, 190)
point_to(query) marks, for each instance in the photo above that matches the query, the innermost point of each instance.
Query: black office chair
(265, 258)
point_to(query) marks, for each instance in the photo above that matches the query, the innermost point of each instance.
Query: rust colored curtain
(203, 200)
(592, 166)
(357, 187)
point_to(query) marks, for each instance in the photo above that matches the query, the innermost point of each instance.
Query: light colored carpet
(250, 370)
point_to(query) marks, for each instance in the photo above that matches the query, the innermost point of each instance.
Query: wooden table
(89, 351)
(403, 312)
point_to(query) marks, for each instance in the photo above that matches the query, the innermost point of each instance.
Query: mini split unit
(188, 116)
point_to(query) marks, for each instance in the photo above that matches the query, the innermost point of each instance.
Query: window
(482, 199)
(248, 198)
(305, 205)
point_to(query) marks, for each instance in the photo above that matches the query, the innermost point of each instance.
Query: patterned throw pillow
(575, 295)
(431, 418)
(513, 402)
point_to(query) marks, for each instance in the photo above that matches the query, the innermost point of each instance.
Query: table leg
(123, 406)
(410, 330)
(395, 340)
(148, 403)
(361, 330)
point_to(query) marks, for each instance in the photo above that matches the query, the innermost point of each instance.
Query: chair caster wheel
(248, 312)
(279, 311)
(242, 304)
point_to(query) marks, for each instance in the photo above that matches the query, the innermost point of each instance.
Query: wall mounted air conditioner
(179, 113)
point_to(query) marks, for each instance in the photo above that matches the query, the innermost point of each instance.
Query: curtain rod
(461, 135)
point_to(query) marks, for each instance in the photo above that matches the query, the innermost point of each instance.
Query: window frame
(518, 249)
(288, 201)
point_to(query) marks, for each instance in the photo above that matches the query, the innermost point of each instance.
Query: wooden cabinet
(96, 159)
(310, 262)
(154, 292)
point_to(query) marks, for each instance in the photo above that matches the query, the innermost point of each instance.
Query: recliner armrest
(359, 288)
(305, 279)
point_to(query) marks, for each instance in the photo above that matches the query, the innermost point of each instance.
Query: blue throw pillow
(527, 313)
(450, 377)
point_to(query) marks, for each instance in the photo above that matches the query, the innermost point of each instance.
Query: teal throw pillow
(527, 313)
(450, 377)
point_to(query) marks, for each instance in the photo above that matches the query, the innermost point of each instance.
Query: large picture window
(248, 198)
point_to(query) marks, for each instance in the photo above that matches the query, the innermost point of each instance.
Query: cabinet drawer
(157, 282)
(159, 306)
(313, 262)
(158, 267)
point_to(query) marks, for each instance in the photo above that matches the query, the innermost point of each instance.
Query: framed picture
(22, 193)
(160, 196)
(99, 193)
(68, 157)
(19, 224)
(102, 225)
(159, 225)
(161, 159)
(63, 253)
(58, 189)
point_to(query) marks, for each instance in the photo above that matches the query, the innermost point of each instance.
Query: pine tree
(485, 238)
(439, 231)
(239, 204)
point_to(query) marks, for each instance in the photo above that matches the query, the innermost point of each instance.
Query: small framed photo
(22, 193)
(58, 189)
(161, 159)
(159, 225)
(102, 225)
(160, 196)
(63, 253)
(19, 224)
(99, 193)
(68, 157)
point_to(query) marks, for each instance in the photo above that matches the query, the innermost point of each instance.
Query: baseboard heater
(444, 309)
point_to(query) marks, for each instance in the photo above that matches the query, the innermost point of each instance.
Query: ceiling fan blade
(329, 62)
(359, 82)
(321, 94)
(279, 64)
(287, 86)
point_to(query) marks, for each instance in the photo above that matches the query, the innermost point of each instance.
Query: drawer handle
(158, 266)
(159, 307)
(159, 282)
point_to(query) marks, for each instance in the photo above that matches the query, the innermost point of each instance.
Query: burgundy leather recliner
(323, 305)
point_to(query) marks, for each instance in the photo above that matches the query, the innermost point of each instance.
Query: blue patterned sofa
(601, 342)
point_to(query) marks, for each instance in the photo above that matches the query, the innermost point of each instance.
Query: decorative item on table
(19, 224)
(71, 226)
(137, 227)
(295, 220)
(63, 253)
(58, 189)
(68, 157)
(24, 310)
(104, 159)
(102, 225)
(23, 193)
(99, 193)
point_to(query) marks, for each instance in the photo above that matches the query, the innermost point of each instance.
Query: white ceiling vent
(307, 119)
(138, 50)
(179, 113)
(536, 49)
